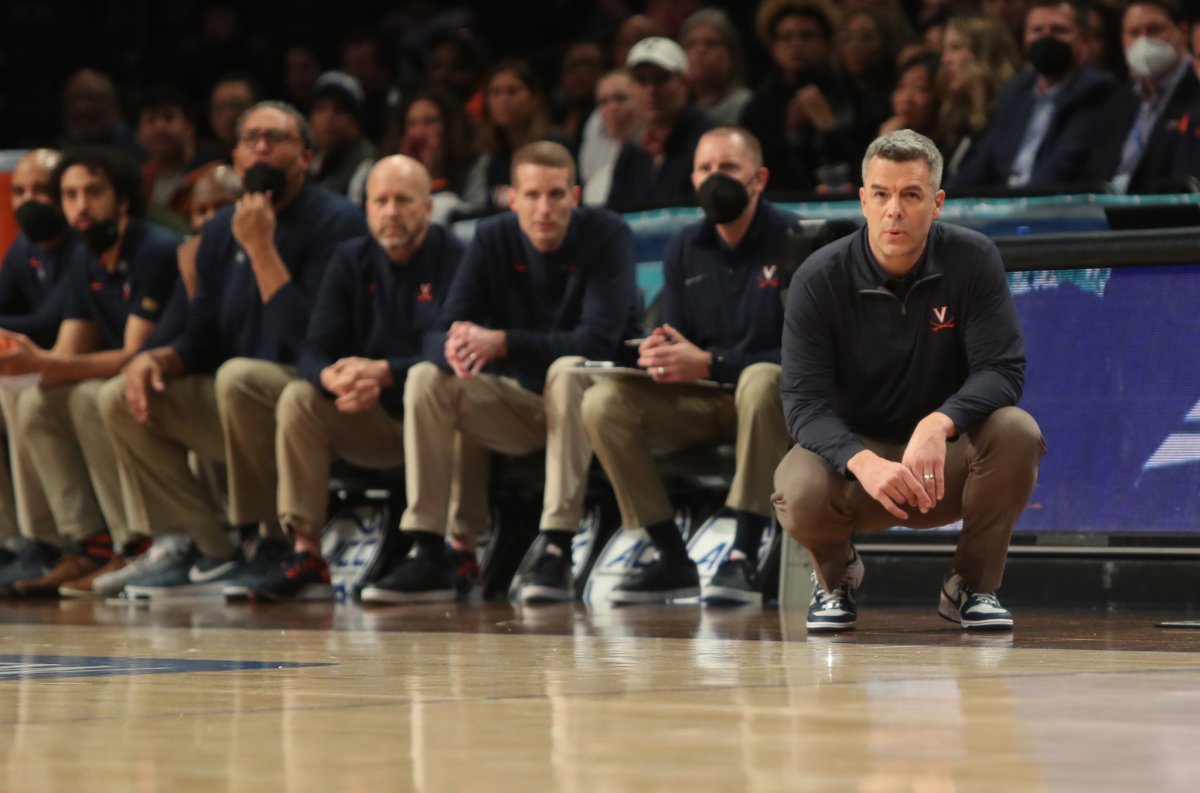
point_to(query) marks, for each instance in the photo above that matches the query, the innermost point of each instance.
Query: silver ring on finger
(662, 370)
(929, 477)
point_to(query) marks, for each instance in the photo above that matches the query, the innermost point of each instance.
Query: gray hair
(719, 20)
(904, 145)
(302, 126)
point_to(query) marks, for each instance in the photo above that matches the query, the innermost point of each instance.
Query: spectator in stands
(551, 281)
(582, 66)
(92, 114)
(344, 155)
(515, 114)
(655, 171)
(173, 161)
(872, 398)
(1010, 13)
(978, 58)
(213, 388)
(1045, 120)
(367, 58)
(117, 284)
(617, 120)
(456, 66)
(716, 65)
(433, 130)
(1131, 148)
(1105, 49)
(787, 111)
(722, 319)
(915, 98)
(867, 50)
(301, 70)
(231, 96)
(32, 290)
(632, 30)
(361, 343)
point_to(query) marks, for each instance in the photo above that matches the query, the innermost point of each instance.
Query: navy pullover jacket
(31, 293)
(725, 300)
(373, 307)
(578, 300)
(139, 284)
(228, 318)
(860, 360)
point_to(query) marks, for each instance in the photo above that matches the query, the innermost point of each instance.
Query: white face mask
(1150, 58)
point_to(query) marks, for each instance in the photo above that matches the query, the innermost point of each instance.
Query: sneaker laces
(987, 598)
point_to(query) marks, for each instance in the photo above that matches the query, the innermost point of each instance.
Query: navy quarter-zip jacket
(862, 361)
(372, 307)
(728, 300)
(578, 300)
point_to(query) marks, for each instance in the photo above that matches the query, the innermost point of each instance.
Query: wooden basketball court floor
(491, 697)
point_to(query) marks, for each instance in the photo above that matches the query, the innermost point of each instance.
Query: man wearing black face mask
(1044, 121)
(116, 284)
(1132, 148)
(213, 389)
(30, 303)
(723, 320)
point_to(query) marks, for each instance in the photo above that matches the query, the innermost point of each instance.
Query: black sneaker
(415, 579)
(735, 583)
(658, 582)
(830, 612)
(970, 609)
(303, 577)
(550, 580)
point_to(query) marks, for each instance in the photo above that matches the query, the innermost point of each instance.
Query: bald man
(380, 294)
(30, 304)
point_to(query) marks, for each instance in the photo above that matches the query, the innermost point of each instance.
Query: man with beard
(213, 389)
(380, 294)
(30, 303)
(173, 163)
(117, 284)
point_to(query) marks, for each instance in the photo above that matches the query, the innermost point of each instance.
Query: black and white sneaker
(970, 609)
(417, 578)
(658, 582)
(830, 612)
(735, 583)
(550, 580)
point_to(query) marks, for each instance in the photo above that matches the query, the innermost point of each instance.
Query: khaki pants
(311, 432)
(629, 419)
(989, 476)
(74, 459)
(29, 511)
(495, 413)
(228, 418)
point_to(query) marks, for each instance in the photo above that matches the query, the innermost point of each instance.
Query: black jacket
(862, 361)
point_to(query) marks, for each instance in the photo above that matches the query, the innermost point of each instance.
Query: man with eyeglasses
(655, 170)
(213, 389)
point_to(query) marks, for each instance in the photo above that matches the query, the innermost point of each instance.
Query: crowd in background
(815, 80)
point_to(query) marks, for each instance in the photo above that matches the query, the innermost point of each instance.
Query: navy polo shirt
(31, 293)
(372, 307)
(228, 318)
(578, 300)
(729, 301)
(140, 284)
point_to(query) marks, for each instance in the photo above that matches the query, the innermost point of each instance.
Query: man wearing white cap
(656, 170)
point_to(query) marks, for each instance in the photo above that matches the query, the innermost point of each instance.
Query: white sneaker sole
(729, 596)
(543, 594)
(374, 594)
(635, 598)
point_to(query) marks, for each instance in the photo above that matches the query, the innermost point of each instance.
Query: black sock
(560, 537)
(666, 537)
(748, 536)
(430, 545)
